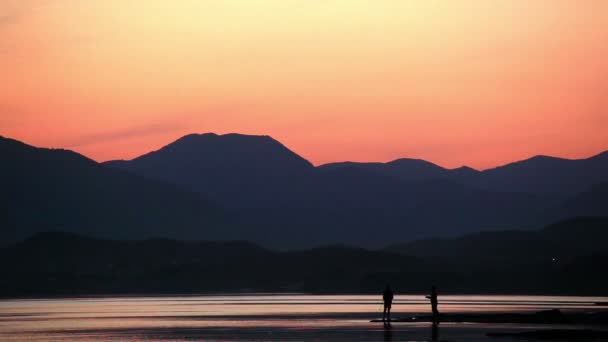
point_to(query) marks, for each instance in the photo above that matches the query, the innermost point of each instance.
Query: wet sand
(318, 329)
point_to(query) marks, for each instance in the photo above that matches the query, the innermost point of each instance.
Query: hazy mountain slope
(592, 202)
(362, 208)
(46, 189)
(564, 239)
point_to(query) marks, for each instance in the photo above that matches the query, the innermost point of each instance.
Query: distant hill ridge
(568, 257)
(561, 240)
(538, 174)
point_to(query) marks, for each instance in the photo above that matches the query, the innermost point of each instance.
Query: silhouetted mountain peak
(236, 150)
(536, 161)
(544, 158)
(348, 164)
(231, 168)
(413, 169)
(411, 162)
(464, 173)
(204, 138)
(465, 168)
(194, 138)
(403, 168)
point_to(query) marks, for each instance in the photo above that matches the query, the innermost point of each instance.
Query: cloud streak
(130, 132)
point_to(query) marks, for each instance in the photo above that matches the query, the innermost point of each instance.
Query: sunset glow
(479, 83)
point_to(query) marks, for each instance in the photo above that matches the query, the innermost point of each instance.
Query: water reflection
(246, 317)
(435, 331)
(388, 332)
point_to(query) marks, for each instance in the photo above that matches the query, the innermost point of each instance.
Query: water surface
(260, 317)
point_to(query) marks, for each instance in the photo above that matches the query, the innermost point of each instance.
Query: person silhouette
(387, 298)
(433, 298)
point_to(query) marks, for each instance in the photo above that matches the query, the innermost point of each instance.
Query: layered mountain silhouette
(236, 161)
(278, 196)
(233, 186)
(58, 189)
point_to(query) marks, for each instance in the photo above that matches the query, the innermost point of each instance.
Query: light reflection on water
(258, 317)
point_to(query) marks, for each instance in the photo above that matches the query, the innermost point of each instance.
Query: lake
(261, 317)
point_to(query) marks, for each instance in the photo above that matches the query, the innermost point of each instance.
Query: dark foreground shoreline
(571, 261)
(556, 334)
(576, 323)
(541, 317)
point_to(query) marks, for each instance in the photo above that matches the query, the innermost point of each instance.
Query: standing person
(387, 297)
(433, 298)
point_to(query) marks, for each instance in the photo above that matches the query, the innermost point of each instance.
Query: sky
(477, 83)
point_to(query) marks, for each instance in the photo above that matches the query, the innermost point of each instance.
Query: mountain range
(539, 174)
(233, 186)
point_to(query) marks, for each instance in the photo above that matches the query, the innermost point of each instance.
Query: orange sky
(454, 82)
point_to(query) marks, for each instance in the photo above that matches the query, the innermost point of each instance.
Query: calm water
(258, 317)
